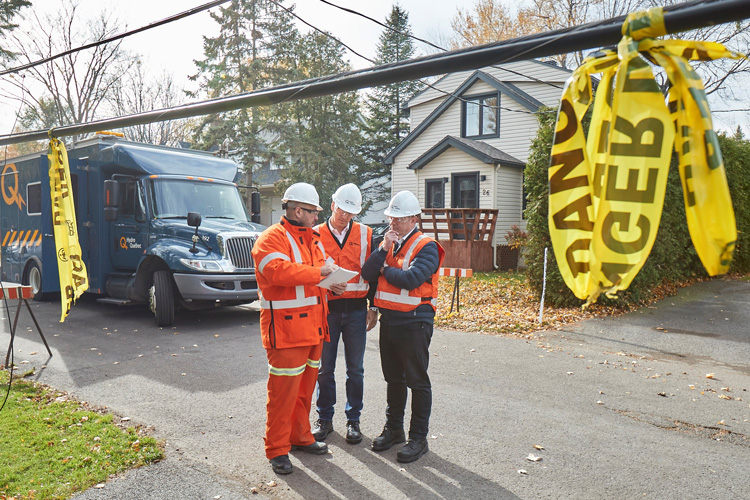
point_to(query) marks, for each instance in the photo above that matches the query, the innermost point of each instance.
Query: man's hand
(372, 319)
(389, 239)
(338, 288)
(328, 268)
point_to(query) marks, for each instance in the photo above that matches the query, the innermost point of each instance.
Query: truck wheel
(34, 279)
(161, 298)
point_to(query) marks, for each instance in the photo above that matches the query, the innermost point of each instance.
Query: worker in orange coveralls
(289, 264)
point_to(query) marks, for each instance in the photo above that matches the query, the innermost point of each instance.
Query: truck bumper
(217, 286)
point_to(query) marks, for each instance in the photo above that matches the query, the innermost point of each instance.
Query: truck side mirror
(111, 199)
(255, 207)
(194, 219)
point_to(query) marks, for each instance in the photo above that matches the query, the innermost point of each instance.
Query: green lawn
(52, 447)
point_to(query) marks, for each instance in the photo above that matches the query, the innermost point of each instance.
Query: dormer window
(480, 116)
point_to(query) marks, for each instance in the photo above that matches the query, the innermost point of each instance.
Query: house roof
(265, 176)
(505, 88)
(478, 149)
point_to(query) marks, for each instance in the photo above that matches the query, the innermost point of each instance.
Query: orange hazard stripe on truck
(32, 238)
(455, 271)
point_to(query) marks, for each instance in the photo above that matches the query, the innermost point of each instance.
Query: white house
(470, 137)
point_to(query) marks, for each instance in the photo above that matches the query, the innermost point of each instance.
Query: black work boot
(322, 429)
(353, 435)
(316, 448)
(281, 464)
(412, 450)
(388, 438)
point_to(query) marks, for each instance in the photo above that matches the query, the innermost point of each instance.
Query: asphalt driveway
(615, 407)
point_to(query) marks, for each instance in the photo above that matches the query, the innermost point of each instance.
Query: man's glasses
(309, 210)
(400, 219)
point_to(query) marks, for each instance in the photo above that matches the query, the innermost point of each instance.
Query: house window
(465, 190)
(481, 116)
(434, 190)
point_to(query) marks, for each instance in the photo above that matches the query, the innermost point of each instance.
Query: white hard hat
(348, 198)
(302, 192)
(403, 204)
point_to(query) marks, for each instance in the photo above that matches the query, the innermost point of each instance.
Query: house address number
(485, 192)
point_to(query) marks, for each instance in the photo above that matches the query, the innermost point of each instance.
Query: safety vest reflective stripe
(299, 290)
(407, 256)
(287, 372)
(271, 256)
(357, 287)
(402, 298)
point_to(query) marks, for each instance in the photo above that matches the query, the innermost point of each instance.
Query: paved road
(621, 406)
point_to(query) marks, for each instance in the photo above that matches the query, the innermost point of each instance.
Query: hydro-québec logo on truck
(165, 227)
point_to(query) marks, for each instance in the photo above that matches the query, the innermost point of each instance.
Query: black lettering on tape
(580, 207)
(650, 127)
(569, 160)
(622, 219)
(577, 267)
(571, 125)
(713, 151)
(631, 191)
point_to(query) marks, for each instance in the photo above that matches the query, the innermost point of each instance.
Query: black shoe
(353, 435)
(388, 438)
(281, 464)
(412, 450)
(322, 429)
(317, 448)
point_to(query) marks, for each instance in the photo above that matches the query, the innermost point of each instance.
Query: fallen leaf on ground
(709, 375)
(538, 446)
(522, 471)
(533, 458)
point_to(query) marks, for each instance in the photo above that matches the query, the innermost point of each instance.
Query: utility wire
(167, 20)
(682, 17)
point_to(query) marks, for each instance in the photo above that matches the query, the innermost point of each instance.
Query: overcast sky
(173, 47)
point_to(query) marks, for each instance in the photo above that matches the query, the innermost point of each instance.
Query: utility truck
(160, 226)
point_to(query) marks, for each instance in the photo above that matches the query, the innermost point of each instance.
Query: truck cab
(165, 227)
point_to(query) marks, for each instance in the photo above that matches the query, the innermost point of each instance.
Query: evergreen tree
(254, 50)
(8, 9)
(321, 145)
(387, 123)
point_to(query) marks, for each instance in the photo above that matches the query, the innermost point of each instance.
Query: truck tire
(33, 278)
(161, 298)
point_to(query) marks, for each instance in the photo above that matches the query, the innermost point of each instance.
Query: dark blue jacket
(421, 268)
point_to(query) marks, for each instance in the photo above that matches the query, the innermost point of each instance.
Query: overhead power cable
(677, 18)
(114, 38)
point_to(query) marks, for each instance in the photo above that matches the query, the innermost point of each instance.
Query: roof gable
(478, 149)
(507, 89)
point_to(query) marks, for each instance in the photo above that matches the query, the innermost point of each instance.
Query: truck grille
(238, 251)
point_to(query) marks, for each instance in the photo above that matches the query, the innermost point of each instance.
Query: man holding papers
(349, 244)
(290, 263)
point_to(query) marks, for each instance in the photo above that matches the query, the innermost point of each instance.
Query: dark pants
(404, 356)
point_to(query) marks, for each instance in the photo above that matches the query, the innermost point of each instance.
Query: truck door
(129, 232)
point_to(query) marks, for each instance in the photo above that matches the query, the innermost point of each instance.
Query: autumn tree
(386, 121)
(486, 21)
(74, 86)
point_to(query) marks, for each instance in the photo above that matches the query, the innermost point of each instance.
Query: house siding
(503, 188)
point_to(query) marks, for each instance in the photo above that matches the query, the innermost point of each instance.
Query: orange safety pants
(292, 374)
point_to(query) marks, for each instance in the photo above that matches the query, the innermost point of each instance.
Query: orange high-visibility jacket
(351, 255)
(398, 299)
(293, 310)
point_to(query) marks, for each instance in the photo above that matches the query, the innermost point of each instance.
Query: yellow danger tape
(607, 189)
(72, 270)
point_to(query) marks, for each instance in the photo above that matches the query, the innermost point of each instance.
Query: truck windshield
(174, 198)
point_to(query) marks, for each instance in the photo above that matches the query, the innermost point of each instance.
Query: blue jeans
(352, 328)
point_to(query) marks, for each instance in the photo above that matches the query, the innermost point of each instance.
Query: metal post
(544, 287)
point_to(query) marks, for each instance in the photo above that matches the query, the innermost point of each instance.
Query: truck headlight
(202, 265)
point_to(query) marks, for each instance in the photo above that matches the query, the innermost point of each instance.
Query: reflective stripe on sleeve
(271, 256)
(287, 372)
